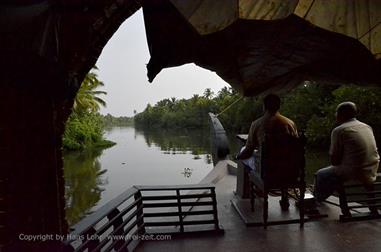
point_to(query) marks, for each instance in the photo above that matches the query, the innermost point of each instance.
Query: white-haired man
(353, 153)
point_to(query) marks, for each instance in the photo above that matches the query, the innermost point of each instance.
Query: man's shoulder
(258, 121)
(286, 119)
(351, 124)
(362, 124)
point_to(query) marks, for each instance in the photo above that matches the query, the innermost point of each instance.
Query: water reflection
(196, 142)
(89, 186)
(145, 158)
(83, 183)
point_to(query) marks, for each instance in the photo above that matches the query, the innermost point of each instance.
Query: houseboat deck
(323, 234)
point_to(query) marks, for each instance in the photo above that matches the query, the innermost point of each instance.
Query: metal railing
(141, 210)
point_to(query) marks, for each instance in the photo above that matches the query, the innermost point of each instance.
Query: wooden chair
(354, 195)
(279, 165)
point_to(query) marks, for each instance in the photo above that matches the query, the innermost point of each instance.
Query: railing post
(117, 223)
(215, 215)
(140, 213)
(180, 210)
(90, 235)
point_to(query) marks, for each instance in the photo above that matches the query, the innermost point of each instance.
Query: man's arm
(336, 148)
(291, 128)
(250, 144)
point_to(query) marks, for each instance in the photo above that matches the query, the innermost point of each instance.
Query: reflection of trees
(208, 159)
(83, 182)
(178, 141)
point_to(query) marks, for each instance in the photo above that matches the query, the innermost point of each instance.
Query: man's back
(356, 142)
(353, 153)
(268, 124)
(272, 124)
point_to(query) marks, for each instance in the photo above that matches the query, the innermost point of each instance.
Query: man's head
(345, 111)
(271, 103)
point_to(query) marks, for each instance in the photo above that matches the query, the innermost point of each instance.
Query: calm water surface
(144, 158)
(138, 158)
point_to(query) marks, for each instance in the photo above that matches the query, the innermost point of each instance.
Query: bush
(84, 130)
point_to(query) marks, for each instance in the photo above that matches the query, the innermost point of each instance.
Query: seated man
(353, 153)
(272, 122)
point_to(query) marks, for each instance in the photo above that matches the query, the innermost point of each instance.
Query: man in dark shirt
(271, 123)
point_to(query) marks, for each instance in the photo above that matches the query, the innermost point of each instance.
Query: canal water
(144, 157)
(140, 157)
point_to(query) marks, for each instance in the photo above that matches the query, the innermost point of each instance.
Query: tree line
(119, 121)
(311, 106)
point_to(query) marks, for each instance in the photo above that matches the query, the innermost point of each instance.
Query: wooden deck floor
(326, 234)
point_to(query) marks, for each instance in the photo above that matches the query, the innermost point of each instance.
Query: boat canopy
(268, 45)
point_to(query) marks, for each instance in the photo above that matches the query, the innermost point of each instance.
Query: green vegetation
(87, 99)
(84, 131)
(193, 112)
(112, 121)
(173, 113)
(85, 126)
(311, 106)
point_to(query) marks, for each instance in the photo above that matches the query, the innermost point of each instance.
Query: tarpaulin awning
(268, 45)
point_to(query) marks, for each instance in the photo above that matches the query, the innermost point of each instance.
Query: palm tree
(87, 99)
(208, 93)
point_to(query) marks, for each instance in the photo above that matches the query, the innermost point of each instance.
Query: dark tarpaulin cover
(257, 56)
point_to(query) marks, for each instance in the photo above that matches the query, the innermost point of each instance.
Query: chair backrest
(282, 160)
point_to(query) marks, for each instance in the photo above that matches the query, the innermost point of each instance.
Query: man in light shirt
(353, 153)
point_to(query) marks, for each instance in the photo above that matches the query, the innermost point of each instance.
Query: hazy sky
(122, 67)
